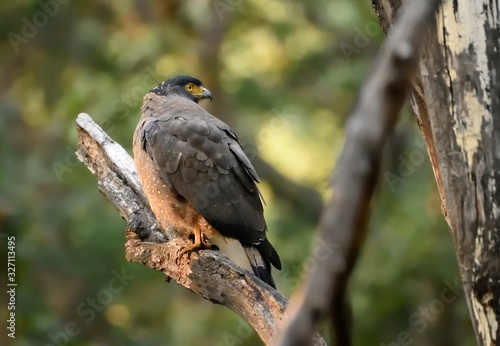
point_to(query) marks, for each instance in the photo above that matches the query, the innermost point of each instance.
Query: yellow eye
(189, 87)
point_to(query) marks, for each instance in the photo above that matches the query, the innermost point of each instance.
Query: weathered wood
(387, 11)
(459, 104)
(344, 218)
(462, 92)
(207, 273)
(116, 177)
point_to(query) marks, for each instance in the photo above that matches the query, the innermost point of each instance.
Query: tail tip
(260, 265)
(265, 275)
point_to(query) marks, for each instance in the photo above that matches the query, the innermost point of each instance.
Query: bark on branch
(207, 273)
(344, 218)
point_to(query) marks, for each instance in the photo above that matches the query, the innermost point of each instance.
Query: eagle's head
(185, 86)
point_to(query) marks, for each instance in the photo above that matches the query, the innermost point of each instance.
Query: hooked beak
(206, 94)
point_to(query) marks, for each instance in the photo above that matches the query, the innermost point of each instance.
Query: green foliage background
(284, 75)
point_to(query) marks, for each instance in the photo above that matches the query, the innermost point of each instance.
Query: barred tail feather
(260, 265)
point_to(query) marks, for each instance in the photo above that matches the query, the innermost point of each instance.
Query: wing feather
(200, 157)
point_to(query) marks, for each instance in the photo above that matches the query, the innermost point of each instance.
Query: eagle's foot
(188, 248)
(200, 243)
(206, 244)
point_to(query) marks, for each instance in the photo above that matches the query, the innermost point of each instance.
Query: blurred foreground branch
(344, 219)
(457, 101)
(207, 273)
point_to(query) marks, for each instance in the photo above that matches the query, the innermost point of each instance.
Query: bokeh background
(283, 75)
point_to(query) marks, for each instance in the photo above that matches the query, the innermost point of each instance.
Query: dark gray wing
(201, 159)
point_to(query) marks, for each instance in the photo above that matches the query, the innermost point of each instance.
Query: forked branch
(207, 273)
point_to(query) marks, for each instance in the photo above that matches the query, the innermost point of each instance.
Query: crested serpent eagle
(197, 178)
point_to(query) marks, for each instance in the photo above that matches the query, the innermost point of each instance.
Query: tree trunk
(458, 105)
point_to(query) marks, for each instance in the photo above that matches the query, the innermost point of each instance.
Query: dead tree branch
(207, 273)
(344, 218)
